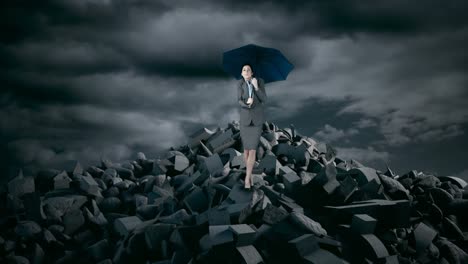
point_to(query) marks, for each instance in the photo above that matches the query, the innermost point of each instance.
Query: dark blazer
(256, 112)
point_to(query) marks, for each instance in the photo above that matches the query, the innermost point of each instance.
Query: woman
(252, 98)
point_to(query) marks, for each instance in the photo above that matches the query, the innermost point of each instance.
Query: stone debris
(307, 205)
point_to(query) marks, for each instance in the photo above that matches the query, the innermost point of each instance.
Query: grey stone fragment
(308, 224)
(28, 229)
(392, 186)
(20, 185)
(85, 237)
(346, 188)
(73, 167)
(156, 234)
(363, 224)
(178, 217)
(62, 181)
(111, 205)
(455, 180)
(423, 236)
(17, 259)
(243, 234)
(314, 166)
(269, 164)
(218, 217)
(33, 207)
(220, 141)
(125, 225)
(273, 214)
(196, 201)
(304, 245)
(291, 181)
(239, 195)
(99, 251)
(124, 173)
(238, 162)
(427, 181)
(201, 134)
(212, 165)
(89, 185)
(95, 171)
(364, 175)
(73, 220)
(250, 255)
(220, 234)
(450, 251)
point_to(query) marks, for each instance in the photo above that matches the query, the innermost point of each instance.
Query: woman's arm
(239, 97)
(261, 91)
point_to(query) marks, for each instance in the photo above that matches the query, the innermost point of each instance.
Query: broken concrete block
(221, 141)
(314, 166)
(213, 165)
(220, 234)
(273, 214)
(196, 201)
(218, 217)
(291, 181)
(125, 225)
(177, 218)
(269, 165)
(73, 167)
(364, 175)
(239, 195)
(73, 220)
(244, 235)
(322, 256)
(201, 134)
(250, 255)
(423, 236)
(33, 207)
(308, 224)
(346, 188)
(304, 245)
(301, 154)
(89, 185)
(231, 153)
(326, 174)
(156, 234)
(62, 181)
(455, 180)
(28, 229)
(377, 249)
(110, 205)
(20, 185)
(441, 197)
(363, 224)
(99, 251)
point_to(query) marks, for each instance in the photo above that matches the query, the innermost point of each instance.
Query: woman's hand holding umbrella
(249, 101)
(255, 83)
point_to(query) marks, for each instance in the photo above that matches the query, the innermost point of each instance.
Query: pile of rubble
(307, 206)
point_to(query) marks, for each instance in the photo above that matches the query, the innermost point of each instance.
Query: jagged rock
(195, 208)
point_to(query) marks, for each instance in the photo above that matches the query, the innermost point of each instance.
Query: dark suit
(256, 111)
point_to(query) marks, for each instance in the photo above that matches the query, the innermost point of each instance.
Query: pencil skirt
(250, 136)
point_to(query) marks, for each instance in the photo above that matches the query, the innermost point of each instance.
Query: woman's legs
(250, 163)
(246, 158)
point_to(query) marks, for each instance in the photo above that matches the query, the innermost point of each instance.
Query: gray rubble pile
(307, 206)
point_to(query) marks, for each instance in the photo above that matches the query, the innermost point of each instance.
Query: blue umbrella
(268, 63)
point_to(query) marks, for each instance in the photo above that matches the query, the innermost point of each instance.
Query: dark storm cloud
(347, 17)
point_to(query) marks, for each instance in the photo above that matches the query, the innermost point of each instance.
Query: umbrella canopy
(268, 63)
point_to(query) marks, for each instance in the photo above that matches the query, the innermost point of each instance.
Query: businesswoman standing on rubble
(252, 98)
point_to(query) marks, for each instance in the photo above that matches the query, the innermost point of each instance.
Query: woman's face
(247, 72)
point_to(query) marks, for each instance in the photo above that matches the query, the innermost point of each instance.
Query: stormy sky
(384, 82)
